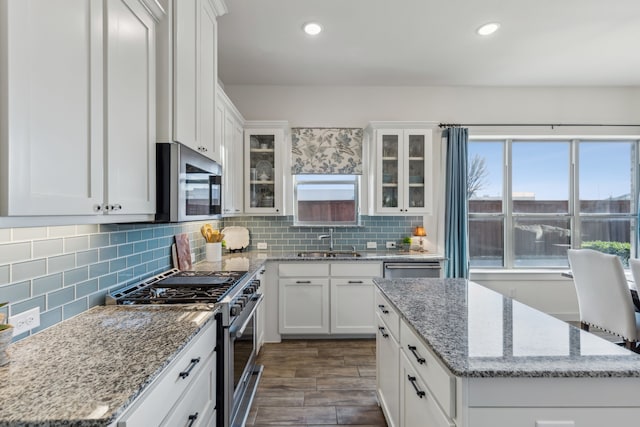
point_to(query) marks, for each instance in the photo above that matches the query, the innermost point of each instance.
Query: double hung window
(530, 200)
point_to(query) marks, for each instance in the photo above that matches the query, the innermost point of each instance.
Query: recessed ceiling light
(312, 28)
(487, 29)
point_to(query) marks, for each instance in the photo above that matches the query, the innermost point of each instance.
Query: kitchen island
(464, 355)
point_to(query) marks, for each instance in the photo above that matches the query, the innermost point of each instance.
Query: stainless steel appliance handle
(412, 266)
(240, 330)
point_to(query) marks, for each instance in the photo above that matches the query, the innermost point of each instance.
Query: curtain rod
(551, 125)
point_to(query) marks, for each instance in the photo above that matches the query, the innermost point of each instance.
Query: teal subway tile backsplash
(15, 292)
(61, 297)
(36, 270)
(43, 285)
(281, 235)
(67, 269)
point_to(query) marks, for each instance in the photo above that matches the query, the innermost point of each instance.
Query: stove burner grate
(183, 287)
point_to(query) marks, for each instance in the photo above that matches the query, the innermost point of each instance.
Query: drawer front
(388, 315)
(356, 269)
(553, 417)
(418, 405)
(437, 378)
(153, 405)
(304, 269)
(198, 403)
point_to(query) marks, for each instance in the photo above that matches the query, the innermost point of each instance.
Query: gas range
(238, 300)
(179, 287)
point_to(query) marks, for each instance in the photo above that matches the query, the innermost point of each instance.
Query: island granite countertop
(87, 370)
(477, 332)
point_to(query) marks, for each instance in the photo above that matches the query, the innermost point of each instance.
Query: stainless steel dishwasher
(396, 270)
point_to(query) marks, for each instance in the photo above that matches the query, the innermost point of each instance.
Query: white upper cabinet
(229, 136)
(187, 79)
(404, 174)
(51, 107)
(77, 100)
(130, 112)
(265, 167)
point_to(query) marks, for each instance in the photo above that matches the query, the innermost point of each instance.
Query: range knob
(236, 309)
(249, 290)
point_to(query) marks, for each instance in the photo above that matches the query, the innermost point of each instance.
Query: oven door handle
(239, 331)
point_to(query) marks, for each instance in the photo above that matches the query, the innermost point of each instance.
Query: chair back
(634, 265)
(603, 293)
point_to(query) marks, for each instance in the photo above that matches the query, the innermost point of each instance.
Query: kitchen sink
(328, 254)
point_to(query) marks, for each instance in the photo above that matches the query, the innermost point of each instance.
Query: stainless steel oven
(188, 184)
(238, 365)
(243, 374)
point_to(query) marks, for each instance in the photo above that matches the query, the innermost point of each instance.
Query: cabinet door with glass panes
(404, 173)
(263, 171)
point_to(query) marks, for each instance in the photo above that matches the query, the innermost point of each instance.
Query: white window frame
(573, 213)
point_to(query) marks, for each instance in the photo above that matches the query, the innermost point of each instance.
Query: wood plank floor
(317, 383)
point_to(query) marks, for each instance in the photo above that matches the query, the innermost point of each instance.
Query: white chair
(634, 264)
(603, 295)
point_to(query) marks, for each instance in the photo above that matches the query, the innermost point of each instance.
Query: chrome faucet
(328, 236)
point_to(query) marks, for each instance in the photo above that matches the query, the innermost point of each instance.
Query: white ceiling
(431, 43)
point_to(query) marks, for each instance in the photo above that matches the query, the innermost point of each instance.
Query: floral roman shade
(329, 151)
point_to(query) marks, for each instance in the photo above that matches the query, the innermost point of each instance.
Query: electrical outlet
(25, 321)
(262, 245)
(372, 245)
(391, 245)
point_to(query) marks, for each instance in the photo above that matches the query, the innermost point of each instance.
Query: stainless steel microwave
(188, 184)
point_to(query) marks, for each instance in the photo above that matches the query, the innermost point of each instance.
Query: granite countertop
(477, 332)
(85, 371)
(252, 260)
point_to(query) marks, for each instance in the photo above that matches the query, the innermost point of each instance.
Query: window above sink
(321, 200)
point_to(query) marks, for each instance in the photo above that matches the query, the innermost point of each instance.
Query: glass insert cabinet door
(404, 168)
(263, 175)
(390, 165)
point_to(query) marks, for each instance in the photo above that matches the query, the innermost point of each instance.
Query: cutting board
(183, 251)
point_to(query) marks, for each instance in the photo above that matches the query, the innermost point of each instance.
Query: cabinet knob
(97, 208)
(116, 207)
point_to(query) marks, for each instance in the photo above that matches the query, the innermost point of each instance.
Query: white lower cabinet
(304, 306)
(418, 406)
(352, 297)
(334, 298)
(184, 391)
(416, 389)
(387, 368)
(552, 417)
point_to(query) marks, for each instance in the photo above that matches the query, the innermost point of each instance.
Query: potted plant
(406, 243)
(6, 333)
